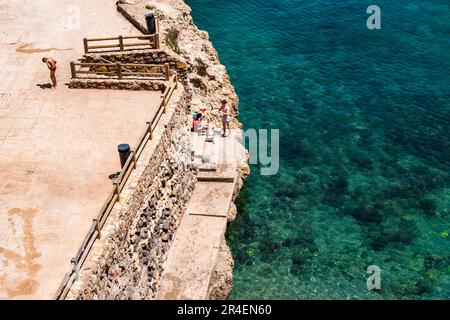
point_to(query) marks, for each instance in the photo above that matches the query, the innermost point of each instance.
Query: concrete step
(207, 152)
(198, 143)
(207, 167)
(206, 178)
(210, 199)
(228, 149)
(223, 173)
(215, 147)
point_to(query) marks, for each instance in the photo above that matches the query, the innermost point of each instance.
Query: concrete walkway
(193, 255)
(57, 147)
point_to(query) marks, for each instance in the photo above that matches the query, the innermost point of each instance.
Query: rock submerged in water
(365, 214)
(394, 231)
(428, 206)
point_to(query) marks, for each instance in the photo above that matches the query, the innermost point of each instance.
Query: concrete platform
(217, 196)
(193, 255)
(223, 173)
(57, 147)
(192, 259)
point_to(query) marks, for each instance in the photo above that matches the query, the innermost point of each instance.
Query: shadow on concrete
(44, 85)
(114, 175)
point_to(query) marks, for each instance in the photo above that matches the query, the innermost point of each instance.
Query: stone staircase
(194, 253)
(211, 157)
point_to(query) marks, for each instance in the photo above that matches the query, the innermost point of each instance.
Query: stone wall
(133, 254)
(137, 56)
(99, 83)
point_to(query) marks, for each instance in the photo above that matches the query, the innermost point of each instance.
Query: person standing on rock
(225, 113)
(51, 64)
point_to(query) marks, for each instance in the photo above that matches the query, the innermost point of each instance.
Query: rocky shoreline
(205, 79)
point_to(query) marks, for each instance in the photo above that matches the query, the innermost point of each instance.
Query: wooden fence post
(119, 70)
(163, 97)
(121, 43)
(116, 190)
(134, 159)
(72, 70)
(97, 228)
(167, 70)
(86, 48)
(149, 129)
(157, 46)
(75, 267)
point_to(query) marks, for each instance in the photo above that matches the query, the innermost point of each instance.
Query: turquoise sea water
(364, 119)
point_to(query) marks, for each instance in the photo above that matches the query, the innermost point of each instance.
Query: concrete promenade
(57, 146)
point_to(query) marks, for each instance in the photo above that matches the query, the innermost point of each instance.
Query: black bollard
(124, 153)
(151, 24)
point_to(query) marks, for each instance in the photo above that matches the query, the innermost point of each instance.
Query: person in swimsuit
(225, 113)
(51, 64)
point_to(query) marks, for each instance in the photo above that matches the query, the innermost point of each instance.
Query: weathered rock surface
(206, 81)
(221, 283)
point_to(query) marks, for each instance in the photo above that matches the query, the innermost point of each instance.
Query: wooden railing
(98, 223)
(120, 43)
(120, 70)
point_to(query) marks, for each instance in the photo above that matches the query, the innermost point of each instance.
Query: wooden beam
(102, 39)
(104, 46)
(136, 44)
(143, 36)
